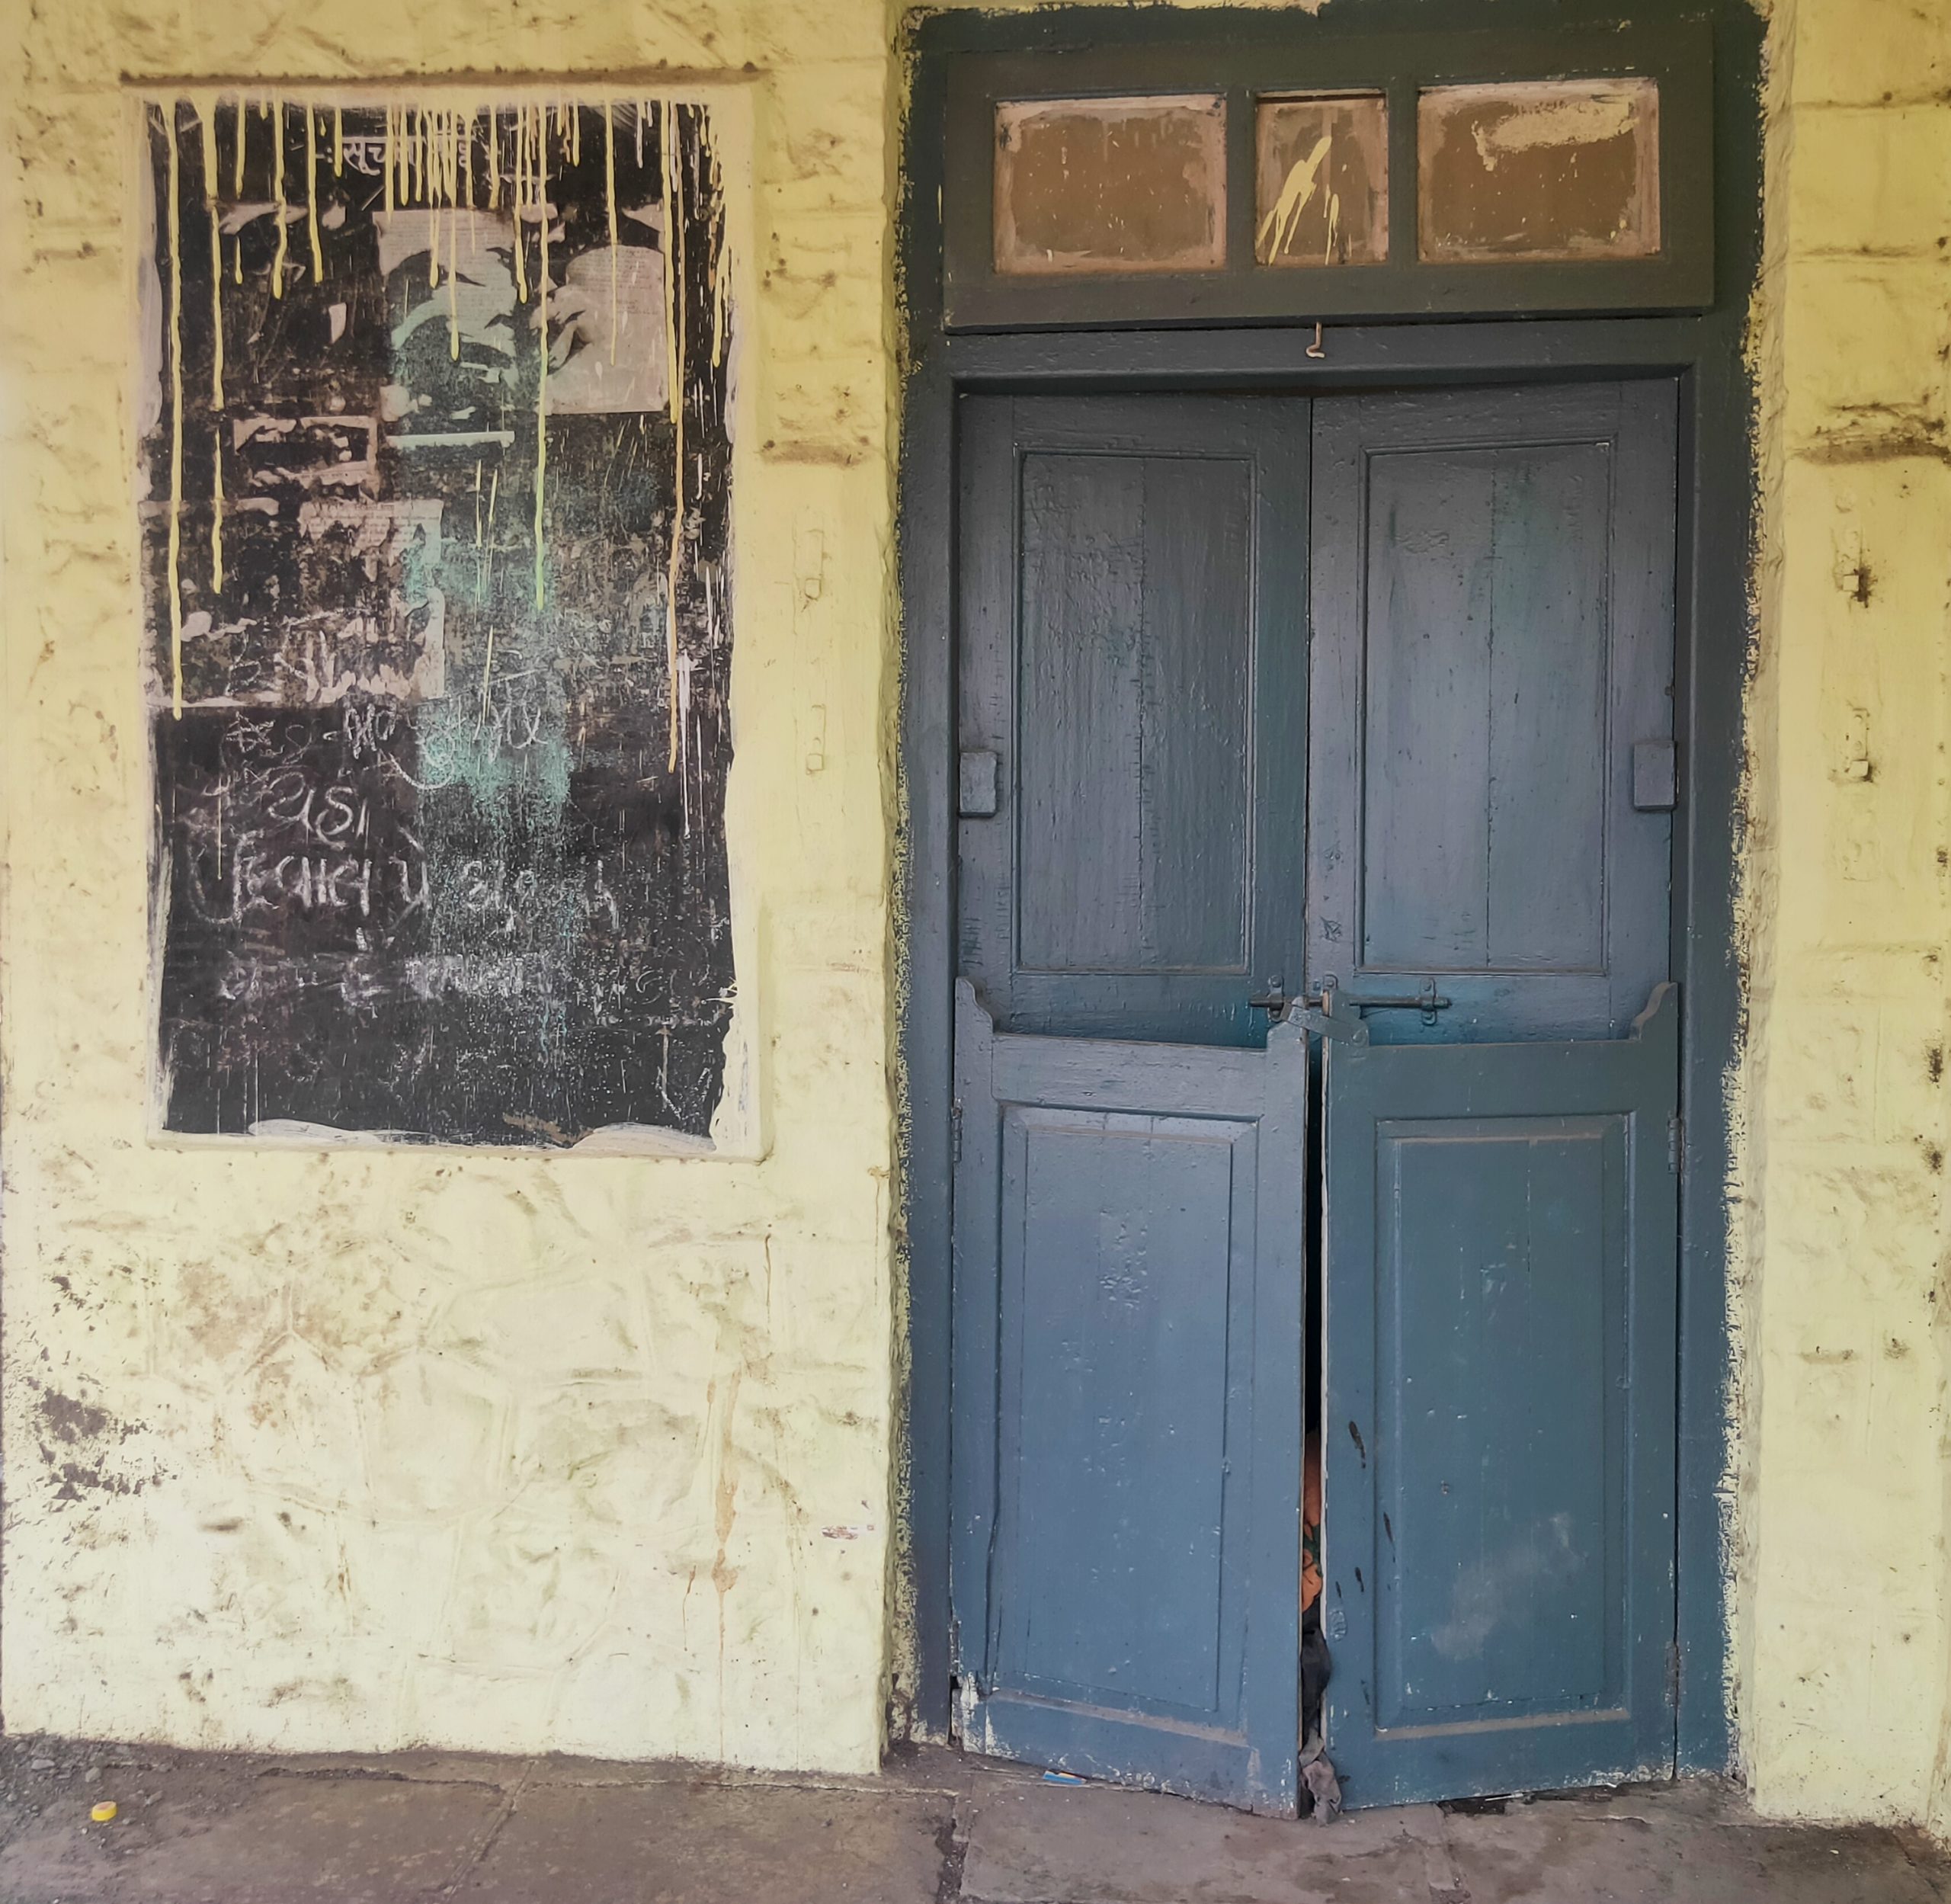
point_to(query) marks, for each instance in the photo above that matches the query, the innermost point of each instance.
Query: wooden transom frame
(1306, 58)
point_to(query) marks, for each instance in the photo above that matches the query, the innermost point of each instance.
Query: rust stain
(1880, 433)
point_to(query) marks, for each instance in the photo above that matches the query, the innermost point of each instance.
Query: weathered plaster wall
(357, 1448)
(1842, 1638)
(361, 1448)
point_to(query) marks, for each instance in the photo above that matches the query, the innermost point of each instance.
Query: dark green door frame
(1714, 632)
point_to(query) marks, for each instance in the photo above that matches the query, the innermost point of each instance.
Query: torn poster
(435, 488)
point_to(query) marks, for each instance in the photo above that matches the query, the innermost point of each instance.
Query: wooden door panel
(1132, 650)
(1127, 1447)
(1492, 590)
(1501, 1313)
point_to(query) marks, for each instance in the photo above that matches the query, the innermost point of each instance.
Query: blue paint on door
(1499, 1413)
(1128, 1266)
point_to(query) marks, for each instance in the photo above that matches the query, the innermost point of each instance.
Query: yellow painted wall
(351, 1449)
(356, 1449)
(1842, 1295)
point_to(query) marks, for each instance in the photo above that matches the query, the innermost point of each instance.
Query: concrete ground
(935, 1829)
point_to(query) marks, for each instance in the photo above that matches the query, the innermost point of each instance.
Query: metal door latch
(1331, 999)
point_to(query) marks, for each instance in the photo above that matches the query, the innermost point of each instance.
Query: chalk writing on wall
(435, 506)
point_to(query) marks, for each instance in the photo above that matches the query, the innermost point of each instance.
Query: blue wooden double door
(1316, 1084)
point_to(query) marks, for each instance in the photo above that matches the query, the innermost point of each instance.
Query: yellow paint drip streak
(542, 332)
(674, 308)
(208, 121)
(609, 205)
(494, 160)
(721, 291)
(312, 197)
(1297, 192)
(175, 559)
(338, 142)
(518, 190)
(277, 192)
(454, 293)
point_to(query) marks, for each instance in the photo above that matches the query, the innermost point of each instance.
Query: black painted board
(1501, 1318)
(1128, 1270)
(439, 772)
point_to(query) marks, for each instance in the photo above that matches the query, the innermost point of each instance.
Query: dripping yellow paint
(175, 557)
(542, 332)
(278, 193)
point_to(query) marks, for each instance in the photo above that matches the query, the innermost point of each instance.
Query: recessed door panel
(1133, 598)
(1492, 589)
(1120, 1234)
(1500, 1312)
(1484, 789)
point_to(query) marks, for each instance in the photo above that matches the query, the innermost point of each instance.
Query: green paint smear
(530, 783)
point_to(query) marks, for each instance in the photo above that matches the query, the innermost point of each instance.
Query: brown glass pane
(1322, 173)
(1098, 185)
(1558, 168)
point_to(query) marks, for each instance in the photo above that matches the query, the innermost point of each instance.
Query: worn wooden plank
(1097, 1073)
(1426, 763)
(1081, 853)
(1197, 744)
(1549, 742)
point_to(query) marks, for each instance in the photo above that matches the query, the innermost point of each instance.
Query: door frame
(1714, 637)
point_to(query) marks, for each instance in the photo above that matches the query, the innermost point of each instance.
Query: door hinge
(1676, 1142)
(954, 1130)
